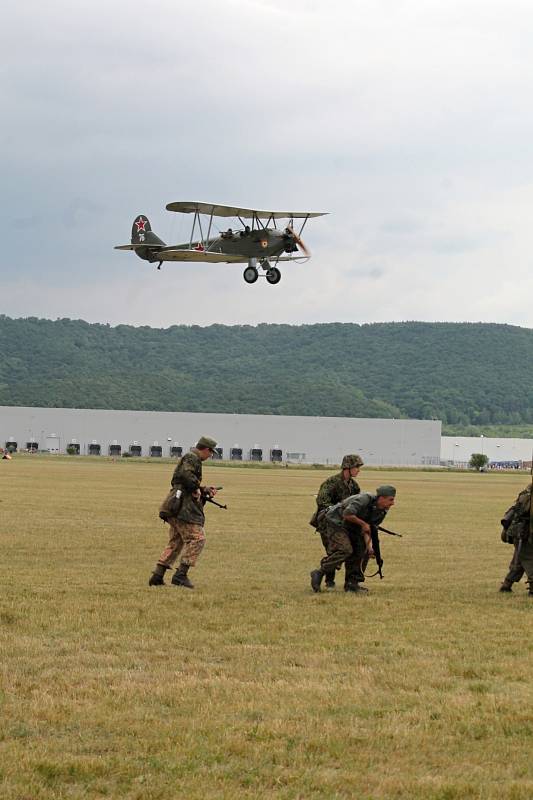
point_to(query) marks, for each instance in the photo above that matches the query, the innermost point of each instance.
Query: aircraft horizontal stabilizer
(154, 247)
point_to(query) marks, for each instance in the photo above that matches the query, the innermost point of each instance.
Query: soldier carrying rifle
(183, 510)
(334, 490)
(351, 527)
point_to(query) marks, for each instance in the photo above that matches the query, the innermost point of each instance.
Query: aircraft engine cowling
(293, 242)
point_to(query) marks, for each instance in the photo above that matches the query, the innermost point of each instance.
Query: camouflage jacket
(188, 477)
(361, 505)
(334, 490)
(521, 526)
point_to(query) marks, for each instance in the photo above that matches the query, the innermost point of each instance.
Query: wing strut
(209, 229)
(193, 228)
(198, 219)
(303, 226)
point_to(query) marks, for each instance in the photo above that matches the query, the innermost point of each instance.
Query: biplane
(259, 242)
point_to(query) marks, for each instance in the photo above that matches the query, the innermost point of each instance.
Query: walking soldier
(183, 510)
(518, 530)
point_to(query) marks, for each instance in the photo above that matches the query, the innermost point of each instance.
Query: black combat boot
(180, 577)
(156, 578)
(355, 587)
(330, 581)
(316, 579)
(505, 587)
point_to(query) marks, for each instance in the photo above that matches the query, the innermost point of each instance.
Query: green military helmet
(386, 491)
(206, 442)
(352, 460)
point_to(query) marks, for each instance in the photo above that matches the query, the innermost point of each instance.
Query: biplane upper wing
(214, 210)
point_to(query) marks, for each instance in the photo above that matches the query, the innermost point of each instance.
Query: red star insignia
(140, 224)
(200, 247)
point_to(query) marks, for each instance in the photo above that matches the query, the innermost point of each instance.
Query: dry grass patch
(251, 685)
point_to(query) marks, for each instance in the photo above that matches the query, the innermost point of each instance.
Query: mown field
(252, 686)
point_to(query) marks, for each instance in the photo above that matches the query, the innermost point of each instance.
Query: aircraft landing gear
(273, 275)
(251, 273)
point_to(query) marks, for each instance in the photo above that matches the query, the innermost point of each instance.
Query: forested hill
(467, 373)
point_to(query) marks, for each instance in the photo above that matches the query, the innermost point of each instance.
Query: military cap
(352, 460)
(206, 442)
(386, 491)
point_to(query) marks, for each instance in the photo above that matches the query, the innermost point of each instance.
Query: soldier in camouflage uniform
(348, 535)
(520, 533)
(186, 516)
(334, 490)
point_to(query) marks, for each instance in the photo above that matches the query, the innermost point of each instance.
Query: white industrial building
(321, 440)
(457, 450)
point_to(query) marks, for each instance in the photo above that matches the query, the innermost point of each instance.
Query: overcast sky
(409, 120)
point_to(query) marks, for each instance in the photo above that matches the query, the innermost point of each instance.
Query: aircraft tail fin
(142, 233)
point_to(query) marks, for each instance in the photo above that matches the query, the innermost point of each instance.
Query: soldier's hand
(212, 490)
(197, 494)
(370, 553)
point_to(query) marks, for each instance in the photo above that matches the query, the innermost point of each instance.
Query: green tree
(344, 370)
(478, 461)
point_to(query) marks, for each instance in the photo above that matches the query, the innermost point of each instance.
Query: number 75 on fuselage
(260, 241)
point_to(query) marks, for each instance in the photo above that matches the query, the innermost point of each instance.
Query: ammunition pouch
(507, 518)
(506, 537)
(171, 505)
(318, 518)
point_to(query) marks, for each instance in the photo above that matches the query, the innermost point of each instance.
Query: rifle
(391, 533)
(377, 550)
(206, 498)
(374, 533)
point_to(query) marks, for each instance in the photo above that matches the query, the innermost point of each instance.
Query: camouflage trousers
(185, 538)
(343, 548)
(522, 561)
(330, 574)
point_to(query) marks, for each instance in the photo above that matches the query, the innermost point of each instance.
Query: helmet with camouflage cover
(352, 460)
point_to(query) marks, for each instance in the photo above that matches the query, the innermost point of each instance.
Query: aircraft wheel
(273, 275)
(250, 275)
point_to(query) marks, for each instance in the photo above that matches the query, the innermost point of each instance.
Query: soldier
(348, 535)
(183, 510)
(334, 490)
(519, 531)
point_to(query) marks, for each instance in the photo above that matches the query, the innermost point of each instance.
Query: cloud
(409, 121)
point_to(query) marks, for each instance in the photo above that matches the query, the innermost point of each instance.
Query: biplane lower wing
(200, 256)
(183, 254)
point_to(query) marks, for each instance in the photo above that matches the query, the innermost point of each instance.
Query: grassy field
(252, 686)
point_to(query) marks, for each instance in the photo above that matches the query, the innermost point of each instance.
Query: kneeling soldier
(183, 510)
(349, 536)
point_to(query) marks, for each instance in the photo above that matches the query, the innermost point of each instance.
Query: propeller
(297, 240)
